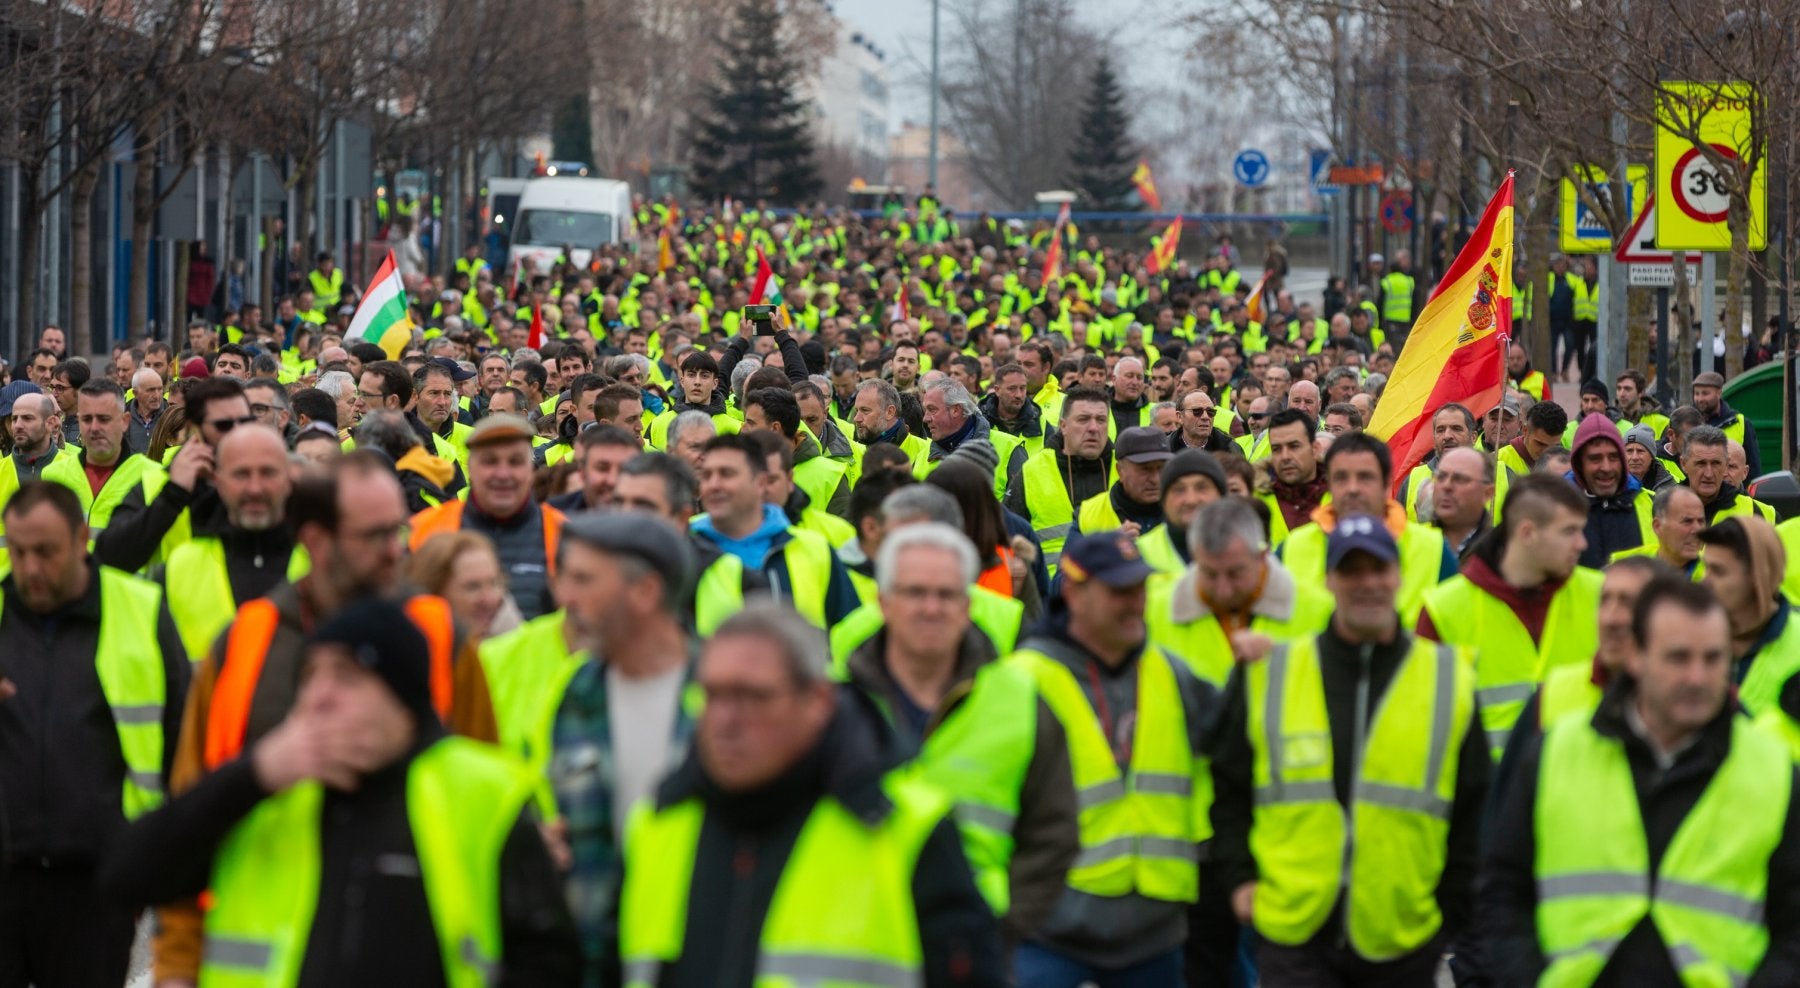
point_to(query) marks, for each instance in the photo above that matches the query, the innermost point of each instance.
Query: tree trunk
(31, 232)
(82, 330)
(1681, 332)
(143, 218)
(1539, 244)
(1640, 324)
(1733, 330)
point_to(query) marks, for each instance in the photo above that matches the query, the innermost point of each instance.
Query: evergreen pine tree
(754, 140)
(1103, 157)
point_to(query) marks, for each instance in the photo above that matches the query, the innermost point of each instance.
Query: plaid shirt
(581, 773)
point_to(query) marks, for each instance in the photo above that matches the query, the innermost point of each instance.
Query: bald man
(1304, 395)
(246, 554)
(1737, 464)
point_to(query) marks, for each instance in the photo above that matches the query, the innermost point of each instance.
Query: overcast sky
(903, 29)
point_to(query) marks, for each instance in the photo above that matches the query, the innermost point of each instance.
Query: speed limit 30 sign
(1694, 118)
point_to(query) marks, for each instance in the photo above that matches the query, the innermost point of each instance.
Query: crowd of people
(947, 626)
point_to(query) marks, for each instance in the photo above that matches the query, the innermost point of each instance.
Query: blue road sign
(1588, 224)
(1251, 167)
(1318, 167)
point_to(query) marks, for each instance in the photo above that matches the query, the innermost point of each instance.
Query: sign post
(1251, 167)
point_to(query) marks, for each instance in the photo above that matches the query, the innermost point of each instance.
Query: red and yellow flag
(1254, 304)
(1053, 256)
(1146, 186)
(1162, 253)
(665, 254)
(1457, 350)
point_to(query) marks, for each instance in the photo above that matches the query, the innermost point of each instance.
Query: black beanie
(1190, 462)
(382, 639)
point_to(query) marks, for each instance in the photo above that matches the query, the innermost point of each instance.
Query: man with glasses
(780, 751)
(1198, 412)
(143, 531)
(351, 520)
(1254, 443)
(65, 381)
(269, 403)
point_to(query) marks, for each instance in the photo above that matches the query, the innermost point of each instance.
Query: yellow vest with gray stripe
(1402, 790)
(810, 935)
(129, 662)
(1509, 666)
(463, 799)
(1706, 896)
(1140, 827)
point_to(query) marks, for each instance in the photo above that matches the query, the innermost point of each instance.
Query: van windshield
(557, 227)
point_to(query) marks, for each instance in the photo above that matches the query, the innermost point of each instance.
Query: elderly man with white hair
(144, 409)
(955, 422)
(1130, 406)
(939, 679)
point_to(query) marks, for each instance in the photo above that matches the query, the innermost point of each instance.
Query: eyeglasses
(1207, 412)
(222, 426)
(1256, 416)
(258, 411)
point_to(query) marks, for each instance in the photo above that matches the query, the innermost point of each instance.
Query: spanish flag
(1053, 255)
(1162, 252)
(1457, 350)
(665, 255)
(1146, 187)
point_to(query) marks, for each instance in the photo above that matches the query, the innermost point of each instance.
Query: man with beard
(225, 565)
(351, 522)
(877, 418)
(1521, 600)
(1619, 515)
(1703, 460)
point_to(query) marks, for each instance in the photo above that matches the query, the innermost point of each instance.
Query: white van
(574, 213)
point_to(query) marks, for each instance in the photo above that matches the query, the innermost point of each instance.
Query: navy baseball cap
(457, 373)
(1111, 557)
(1360, 533)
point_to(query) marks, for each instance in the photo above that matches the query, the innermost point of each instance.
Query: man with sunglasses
(1198, 413)
(1254, 442)
(143, 530)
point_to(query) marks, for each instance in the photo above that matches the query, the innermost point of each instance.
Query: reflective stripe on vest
(1391, 849)
(463, 800)
(129, 663)
(978, 756)
(1048, 499)
(200, 598)
(1594, 878)
(1508, 665)
(1139, 829)
(838, 857)
(247, 647)
(1568, 689)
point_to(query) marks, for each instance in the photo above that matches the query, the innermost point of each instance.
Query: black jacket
(1508, 894)
(373, 925)
(1029, 424)
(61, 770)
(746, 838)
(1340, 661)
(137, 528)
(1081, 479)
